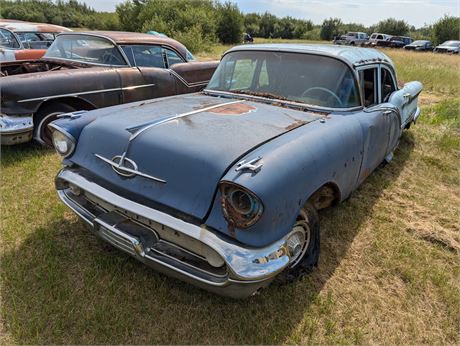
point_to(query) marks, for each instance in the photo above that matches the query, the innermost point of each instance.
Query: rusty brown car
(88, 70)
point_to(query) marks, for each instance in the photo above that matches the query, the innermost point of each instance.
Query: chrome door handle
(387, 112)
(406, 95)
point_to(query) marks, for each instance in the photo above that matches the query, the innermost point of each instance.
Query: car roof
(353, 56)
(124, 37)
(21, 26)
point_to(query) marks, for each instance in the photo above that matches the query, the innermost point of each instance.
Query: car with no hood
(222, 188)
(88, 70)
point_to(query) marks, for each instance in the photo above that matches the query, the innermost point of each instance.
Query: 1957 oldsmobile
(83, 71)
(222, 188)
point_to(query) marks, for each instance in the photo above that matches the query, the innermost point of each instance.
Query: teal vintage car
(222, 188)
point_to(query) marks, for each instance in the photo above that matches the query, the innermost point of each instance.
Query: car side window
(387, 84)
(173, 57)
(145, 56)
(368, 81)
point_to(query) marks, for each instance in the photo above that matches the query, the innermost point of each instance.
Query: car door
(375, 120)
(148, 77)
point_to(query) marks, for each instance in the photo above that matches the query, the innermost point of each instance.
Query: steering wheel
(109, 58)
(327, 91)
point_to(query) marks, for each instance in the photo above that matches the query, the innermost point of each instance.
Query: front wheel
(44, 116)
(303, 245)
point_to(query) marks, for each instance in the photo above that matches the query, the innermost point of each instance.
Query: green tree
(230, 23)
(447, 28)
(392, 26)
(330, 28)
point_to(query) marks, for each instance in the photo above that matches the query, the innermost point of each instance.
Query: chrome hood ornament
(126, 167)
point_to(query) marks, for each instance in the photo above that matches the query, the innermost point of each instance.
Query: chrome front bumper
(218, 264)
(15, 129)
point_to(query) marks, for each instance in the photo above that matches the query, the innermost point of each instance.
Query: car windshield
(419, 42)
(304, 78)
(451, 44)
(85, 48)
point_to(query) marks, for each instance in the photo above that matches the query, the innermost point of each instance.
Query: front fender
(295, 165)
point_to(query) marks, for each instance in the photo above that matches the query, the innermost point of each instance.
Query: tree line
(200, 23)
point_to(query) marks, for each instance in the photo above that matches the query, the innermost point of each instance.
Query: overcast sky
(415, 12)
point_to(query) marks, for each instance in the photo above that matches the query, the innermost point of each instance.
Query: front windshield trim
(272, 101)
(297, 103)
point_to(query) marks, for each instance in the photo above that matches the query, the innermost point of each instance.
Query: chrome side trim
(187, 84)
(118, 167)
(143, 127)
(44, 98)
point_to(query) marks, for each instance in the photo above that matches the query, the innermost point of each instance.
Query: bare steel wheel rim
(299, 239)
(43, 133)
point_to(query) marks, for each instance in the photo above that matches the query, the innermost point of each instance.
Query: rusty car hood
(181, 147)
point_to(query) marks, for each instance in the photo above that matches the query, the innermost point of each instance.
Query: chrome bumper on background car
(15, 129)
(180, 249)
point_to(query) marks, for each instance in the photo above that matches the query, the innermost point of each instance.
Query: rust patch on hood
(295, 124)
(233, 109)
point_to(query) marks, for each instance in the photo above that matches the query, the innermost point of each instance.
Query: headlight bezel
(70, 140)
(236, 217)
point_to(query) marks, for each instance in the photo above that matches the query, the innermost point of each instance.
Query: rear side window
(173, 57)
(145, 56)
(388, 85)
(368, 81)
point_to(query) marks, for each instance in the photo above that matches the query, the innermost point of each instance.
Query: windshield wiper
(260, 94)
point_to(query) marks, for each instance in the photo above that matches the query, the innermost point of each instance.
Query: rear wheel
(44, 116)
(303, 245)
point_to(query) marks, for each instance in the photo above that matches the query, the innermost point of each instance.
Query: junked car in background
(82, 71)
(376, 39)
(33, 35)
(420, 45)
(395, 42)
(352, 39)
(11, 48)
(451, 47)
(222, 188)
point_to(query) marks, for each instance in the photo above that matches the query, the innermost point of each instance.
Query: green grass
(388, 271)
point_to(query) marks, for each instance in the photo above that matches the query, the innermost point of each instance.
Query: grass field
(388, 272)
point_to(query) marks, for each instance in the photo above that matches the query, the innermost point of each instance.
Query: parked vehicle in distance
(420, 45)
(376, 39)
(451, 47)
(222, 188)
(33, 35)
(247, 38)
(352, 39)
(395, 42)
(11, 48)
(82, 71)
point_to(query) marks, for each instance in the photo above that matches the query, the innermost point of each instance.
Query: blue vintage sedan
(222, 188)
